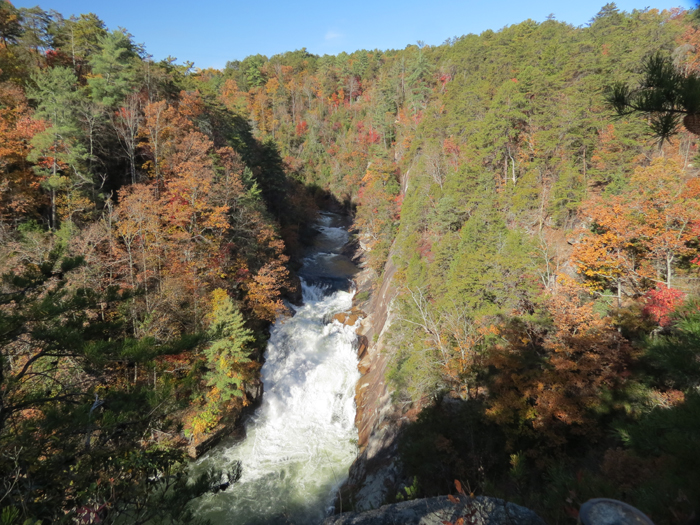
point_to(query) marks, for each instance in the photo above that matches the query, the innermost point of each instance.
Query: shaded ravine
(301, 441)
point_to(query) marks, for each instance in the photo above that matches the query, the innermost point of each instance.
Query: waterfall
(301, 441)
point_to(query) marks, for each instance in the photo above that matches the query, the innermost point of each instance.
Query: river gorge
(300, 442)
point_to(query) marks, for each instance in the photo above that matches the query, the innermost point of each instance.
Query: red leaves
(336, 98)
(301, 128)
(661, 303)
(371, 137)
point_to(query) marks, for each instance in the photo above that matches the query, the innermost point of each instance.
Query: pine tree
(229, 347)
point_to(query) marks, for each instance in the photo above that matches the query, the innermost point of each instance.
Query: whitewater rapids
(302, 439)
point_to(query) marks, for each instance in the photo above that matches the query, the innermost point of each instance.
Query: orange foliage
(550, 385)
(264, 292)
(638, 236)
(665, 206)
(260, 111)
(606, 257)
(20, 192)
(233, 98)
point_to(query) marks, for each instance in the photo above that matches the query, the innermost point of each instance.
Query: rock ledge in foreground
(435, 511)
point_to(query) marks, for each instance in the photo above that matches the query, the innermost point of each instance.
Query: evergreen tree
(113, 69)
(228, 349)
(58, 151)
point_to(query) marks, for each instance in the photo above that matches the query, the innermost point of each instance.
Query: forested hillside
(145, 238)
(547, 322)
(546, 251)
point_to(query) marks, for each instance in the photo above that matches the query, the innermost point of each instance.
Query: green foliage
(489, 274)
(466, 164)
(664, 95)
(673, 357)
(68, 441)
(113, 69)
(361, 297)
(229, 348)
(78, 37)
(409, 492)
(58, 152)
(10, 23)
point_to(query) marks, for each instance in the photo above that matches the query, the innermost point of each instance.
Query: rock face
(375, 475)
(436, 511)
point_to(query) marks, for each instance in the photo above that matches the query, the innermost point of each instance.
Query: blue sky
(211, 32)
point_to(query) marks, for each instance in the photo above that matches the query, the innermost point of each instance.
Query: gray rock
(435, 511)
(604, 511)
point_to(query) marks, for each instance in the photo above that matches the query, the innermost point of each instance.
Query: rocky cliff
(374, 476)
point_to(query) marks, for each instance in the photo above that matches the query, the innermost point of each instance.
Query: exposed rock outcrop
(436, 511)
(375, 475)
(349, 318)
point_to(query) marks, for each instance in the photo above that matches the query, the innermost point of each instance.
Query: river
(301, 441)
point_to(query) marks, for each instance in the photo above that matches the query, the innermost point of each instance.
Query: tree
(379, 208)
(36, 23)
(264, 291)
(20, 195)
(607, 255)
(72, 436)
(155, 132)
(42, 327)
(57, 151)
(229, 348)
(113, 69)
(639, 236)
(551, 385)
(664, 96)
(138, 227)
(127, 121)
(665, 206)
(79, 38)
(10, 23)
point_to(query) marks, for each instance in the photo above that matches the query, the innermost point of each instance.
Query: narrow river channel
(301, 441)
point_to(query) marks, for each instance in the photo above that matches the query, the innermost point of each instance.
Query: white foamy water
(302, 440)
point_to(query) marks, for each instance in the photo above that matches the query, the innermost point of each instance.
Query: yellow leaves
(218, 298)
(214, 394)
(272, 86)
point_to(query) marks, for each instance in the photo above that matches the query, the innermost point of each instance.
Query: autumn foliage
(661, 302)
(543, 256)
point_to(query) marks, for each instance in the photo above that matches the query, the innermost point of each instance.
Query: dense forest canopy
(546, 256)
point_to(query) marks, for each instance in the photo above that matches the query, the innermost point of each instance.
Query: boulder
(349, 318)
(362, 346)
(364, 365)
